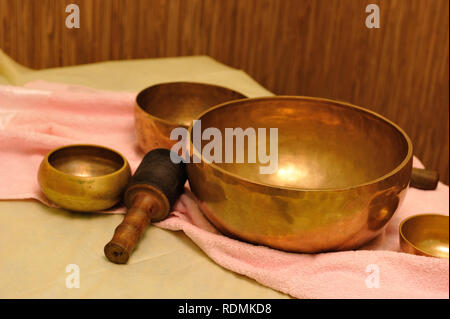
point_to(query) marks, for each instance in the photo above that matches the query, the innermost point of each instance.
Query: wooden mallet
(149, 197)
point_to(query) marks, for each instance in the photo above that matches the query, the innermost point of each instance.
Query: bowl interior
(181, 102)
(321, 144)
(86, 161)
(428, 233)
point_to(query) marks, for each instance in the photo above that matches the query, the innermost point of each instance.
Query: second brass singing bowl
(342, 173)
(163, 107)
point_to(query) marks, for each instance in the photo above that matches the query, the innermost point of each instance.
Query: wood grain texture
(299, 47)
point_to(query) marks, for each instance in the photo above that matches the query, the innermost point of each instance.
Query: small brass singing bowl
(163, 107)
(425, 235)
(342, 171)
(84, 177)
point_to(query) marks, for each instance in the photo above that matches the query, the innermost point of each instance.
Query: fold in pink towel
(42, 116)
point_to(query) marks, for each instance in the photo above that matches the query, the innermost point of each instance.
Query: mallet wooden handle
(424, 179)
(127, 234)
(153, 190)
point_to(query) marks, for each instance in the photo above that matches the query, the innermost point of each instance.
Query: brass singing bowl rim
(120, 170)
(404, 162)
(174, 123)
(405, 238)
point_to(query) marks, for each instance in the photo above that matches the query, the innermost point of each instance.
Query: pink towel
(42, 116)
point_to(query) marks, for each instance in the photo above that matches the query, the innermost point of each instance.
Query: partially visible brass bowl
(342, 173)
(162, 107)
(84, 177)
(425, 235)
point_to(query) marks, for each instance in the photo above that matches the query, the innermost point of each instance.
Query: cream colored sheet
(37, 243)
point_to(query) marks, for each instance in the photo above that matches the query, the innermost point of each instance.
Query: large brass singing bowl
(84, 177)
(342, 173)
(163, 107)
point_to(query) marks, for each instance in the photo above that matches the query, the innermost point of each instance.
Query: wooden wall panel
(304, 47)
